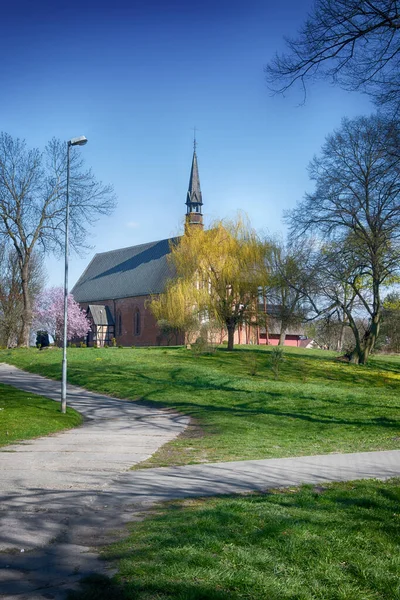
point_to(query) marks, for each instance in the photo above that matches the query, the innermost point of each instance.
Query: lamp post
(78, 141)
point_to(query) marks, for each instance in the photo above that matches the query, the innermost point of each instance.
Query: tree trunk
(340, 342)
(370, 338)
(25, 330)
(231, 334)
(355, 356)
(282, 336)
(365, 346)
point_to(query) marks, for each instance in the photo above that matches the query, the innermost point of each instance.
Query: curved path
(51, 488)
(63, 494)
(115, 435)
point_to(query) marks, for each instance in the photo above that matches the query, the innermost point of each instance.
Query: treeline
(341, 259)
(32, 222)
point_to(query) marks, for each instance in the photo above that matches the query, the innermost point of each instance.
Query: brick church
(116, 286)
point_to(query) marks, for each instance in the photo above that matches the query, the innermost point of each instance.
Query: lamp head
(78, 141)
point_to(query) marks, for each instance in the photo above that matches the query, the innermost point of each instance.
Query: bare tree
(340, 293)
(356, 209)
(285, 293)
(32, 205)
(355, 43)
(330, 333)
(11, 300)
(390, 331)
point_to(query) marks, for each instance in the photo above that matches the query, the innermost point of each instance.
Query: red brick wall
(273, 340)
(150, 333)
(126, 307)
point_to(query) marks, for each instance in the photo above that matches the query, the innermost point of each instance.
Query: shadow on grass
(180, 367)
(244, 410)
(100, 587)
(170, 390)
(230, 547)
(177, 380)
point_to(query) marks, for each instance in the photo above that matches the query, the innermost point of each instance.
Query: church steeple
(194, 201)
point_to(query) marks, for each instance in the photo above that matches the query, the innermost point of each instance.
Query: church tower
(194, 202)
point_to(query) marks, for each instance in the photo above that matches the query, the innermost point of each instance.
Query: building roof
(100, 314)
(134, 271)
(194, 192)
(274, 327)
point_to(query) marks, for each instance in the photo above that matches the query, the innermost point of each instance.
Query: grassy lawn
(24, 416)
(317, 405)
(339, 542)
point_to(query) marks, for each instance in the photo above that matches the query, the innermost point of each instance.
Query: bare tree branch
(355, 43)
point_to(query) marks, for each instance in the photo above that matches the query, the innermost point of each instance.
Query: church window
(136, 322)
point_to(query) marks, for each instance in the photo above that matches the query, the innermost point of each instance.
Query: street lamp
(78, 141)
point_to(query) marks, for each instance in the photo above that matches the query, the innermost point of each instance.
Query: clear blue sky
(135, 77)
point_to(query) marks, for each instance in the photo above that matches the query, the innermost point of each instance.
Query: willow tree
(174, 310)
(219, 273)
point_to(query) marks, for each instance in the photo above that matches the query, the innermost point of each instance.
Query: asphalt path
(57, 492)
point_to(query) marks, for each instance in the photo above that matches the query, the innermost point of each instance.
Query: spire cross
(194, 138)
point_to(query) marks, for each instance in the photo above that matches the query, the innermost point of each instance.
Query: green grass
(24, 416)
(318, 405)
(340, 542)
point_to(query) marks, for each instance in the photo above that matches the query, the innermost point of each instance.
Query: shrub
(113, 342)
(202, 346)
(277, 358)
(251, 362)
(81, 345)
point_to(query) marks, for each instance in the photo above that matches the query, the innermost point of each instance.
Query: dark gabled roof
(274, 327)
(272, 310)
(100, 314)
(135, 271)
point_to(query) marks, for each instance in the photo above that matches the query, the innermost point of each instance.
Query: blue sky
(135, 77)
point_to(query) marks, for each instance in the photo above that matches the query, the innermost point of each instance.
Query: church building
(116, 285)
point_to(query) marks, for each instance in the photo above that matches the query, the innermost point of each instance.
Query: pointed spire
(194, 199)
(194, 192)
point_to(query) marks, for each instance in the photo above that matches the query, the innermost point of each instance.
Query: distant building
(117, 285)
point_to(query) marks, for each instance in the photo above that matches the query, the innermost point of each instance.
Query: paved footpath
(66, 493)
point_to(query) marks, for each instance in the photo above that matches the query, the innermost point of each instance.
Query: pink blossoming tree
(49, 315)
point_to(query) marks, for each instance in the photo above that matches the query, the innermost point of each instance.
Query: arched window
(136, 322)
